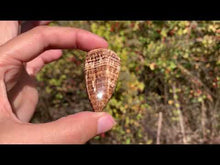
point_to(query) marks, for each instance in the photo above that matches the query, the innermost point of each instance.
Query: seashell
(102, 67)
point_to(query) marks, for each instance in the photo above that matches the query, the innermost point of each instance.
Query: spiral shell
(102, 67)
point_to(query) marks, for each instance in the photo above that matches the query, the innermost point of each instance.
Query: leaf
(141, 86)
(152, 66)
(177, 105)
(170, 102)
(200, 99)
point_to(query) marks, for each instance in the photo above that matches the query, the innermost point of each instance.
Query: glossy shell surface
(102, 67)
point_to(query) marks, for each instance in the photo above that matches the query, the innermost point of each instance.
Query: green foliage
(156, 58)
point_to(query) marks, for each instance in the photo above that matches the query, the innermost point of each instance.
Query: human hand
(20, 59)
(9, 30)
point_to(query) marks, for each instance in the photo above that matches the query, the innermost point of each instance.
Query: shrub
(167, 67)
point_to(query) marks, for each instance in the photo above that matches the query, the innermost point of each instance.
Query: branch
(180, 114)
(160, 119)
(194, 79)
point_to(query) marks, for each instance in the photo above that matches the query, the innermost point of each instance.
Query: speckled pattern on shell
(102, 67)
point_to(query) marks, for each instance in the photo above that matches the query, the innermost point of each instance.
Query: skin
(21, 57)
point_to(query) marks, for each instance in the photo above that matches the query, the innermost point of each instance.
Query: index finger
(30, 44)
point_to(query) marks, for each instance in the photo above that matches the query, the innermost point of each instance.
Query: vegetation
(168, 90)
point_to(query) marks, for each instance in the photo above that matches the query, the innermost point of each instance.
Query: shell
(102, 67)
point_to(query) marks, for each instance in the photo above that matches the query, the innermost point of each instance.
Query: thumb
(74, 129)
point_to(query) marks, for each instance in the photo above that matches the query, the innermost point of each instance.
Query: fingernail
(105, 123)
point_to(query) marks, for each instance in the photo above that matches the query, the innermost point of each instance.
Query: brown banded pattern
(102, 67)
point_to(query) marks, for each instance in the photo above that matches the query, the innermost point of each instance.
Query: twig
(215, 112)
(181, 121)
(182, 127)
(203, 120)
(160, 119)
(194, 79)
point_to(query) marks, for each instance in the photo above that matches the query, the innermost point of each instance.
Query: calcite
(102, 67)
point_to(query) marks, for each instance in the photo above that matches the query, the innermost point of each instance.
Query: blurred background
(168, 90)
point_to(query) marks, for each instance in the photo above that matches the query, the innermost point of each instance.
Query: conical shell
(102, 67)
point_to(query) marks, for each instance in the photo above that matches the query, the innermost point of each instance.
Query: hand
(20, 60)
(9, 30)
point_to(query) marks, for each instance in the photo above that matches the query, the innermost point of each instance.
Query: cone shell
(102, 67)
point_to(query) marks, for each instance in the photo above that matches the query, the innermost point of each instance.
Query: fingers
(29, 45)
(74, 129)
(34, 66)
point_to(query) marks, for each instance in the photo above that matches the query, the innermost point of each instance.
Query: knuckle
(3, 67)
(2, 63)
(40, 33)
(75, 132)
(40, 29)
